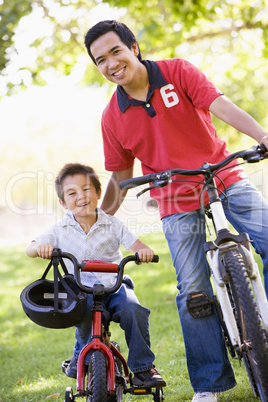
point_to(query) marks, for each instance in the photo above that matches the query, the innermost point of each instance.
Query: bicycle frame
(100, 334)
(98, 337)
(241, 301)
(225, 240)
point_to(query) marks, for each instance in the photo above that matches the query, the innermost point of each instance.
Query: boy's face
(80, 197)
(114, 59)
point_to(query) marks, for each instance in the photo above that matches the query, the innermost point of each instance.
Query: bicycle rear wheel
(97, 378)
(252, 332)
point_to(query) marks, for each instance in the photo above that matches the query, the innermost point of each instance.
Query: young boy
(89, 233)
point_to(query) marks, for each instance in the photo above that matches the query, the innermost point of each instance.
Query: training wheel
(159, 395)
(69, 395)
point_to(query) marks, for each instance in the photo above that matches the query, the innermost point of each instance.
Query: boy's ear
(99, 194)
(62, 203)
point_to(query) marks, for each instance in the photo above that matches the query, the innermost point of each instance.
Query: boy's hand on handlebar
(145, 252)
(44, 251)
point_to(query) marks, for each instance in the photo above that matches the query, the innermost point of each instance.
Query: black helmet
(54, 304)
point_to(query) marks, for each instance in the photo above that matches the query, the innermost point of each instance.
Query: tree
(203, 31)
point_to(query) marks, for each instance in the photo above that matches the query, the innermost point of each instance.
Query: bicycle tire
(97, 378)
(159, 395)
(69, 397)
(253, 335)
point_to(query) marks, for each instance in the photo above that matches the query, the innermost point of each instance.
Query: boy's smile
(81, 198)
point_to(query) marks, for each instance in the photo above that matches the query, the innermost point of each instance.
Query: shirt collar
(156, 80)
(103, 219)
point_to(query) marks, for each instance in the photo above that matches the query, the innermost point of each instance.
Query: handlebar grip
(263, 148)
(136, 181)
(155, 258)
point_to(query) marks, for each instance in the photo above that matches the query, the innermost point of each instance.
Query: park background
(51, 99)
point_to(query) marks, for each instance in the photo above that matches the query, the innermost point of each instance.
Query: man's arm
(114, 197)
(231, 114)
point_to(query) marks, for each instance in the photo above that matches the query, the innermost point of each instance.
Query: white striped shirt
(101, 243)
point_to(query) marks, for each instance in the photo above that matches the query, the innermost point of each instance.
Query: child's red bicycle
(107, 377)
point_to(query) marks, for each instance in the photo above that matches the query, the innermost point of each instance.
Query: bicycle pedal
(139, 390)
(121, 380)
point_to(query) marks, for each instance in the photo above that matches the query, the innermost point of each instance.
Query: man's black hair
(103, 27)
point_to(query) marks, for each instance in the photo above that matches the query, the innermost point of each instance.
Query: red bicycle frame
(97, 342)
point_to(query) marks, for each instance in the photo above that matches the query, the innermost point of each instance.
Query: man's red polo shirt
(172, 129)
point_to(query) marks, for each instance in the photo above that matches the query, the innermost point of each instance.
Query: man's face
(114, 59)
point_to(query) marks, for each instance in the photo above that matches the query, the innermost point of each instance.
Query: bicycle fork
(98, 343)
(215, 251)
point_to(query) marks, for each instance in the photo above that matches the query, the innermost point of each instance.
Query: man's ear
(135, 48)
(62, 203)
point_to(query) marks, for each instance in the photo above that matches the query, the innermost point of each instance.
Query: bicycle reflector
(54, 304)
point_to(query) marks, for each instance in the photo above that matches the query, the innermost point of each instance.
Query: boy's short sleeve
(48, 237)
(126, 237)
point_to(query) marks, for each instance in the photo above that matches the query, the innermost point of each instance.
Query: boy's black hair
(71, 169)
(103, 27)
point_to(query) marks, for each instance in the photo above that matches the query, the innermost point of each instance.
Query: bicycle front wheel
(97, 375)
(252, 332)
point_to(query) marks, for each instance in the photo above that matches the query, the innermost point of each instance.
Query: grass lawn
(31, 356)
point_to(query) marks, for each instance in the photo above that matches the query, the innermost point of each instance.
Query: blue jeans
(124, 308)
(208, 364)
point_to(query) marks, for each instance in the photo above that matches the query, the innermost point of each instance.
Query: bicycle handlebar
(251, 155)
(99, 266)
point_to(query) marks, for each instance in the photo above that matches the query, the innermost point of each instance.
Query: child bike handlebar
(101, 266)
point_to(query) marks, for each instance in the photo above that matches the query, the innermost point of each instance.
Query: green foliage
(11, 12)
(226, 39)
(31, 356)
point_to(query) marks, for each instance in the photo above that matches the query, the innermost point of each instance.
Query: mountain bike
(106, 378)
(240, 298)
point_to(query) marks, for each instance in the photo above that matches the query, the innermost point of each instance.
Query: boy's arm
(145, 252)
(36, 249)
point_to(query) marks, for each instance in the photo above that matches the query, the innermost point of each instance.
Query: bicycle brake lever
(143, 191)
(158, 183)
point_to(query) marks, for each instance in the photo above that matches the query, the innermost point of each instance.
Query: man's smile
(119, 72)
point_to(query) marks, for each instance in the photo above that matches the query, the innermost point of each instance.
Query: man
(160, 114)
